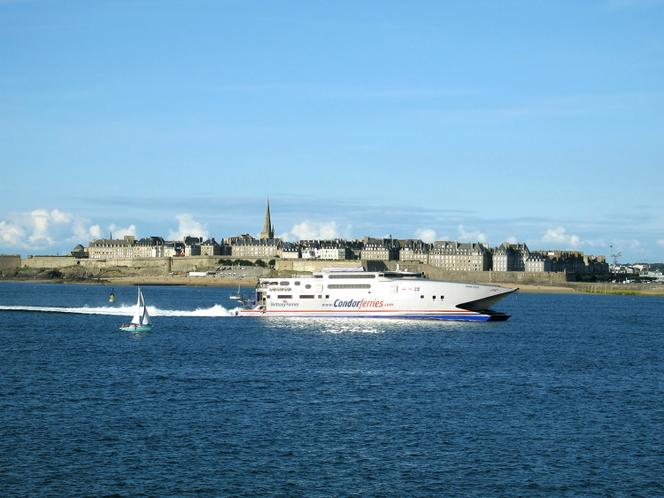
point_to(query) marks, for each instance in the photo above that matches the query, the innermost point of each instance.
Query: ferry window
(297, 282)
(283, 283)
(284, 296)
(421, 297)
(349, 286)
(273, 283)
(306, 296)
(308, 286)
(434, 297)
(327, 296)
(353, 275)
(442, 297)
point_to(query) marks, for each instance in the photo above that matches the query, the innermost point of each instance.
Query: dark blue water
(564, 399)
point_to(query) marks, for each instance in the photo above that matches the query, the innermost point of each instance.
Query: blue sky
(532, 121)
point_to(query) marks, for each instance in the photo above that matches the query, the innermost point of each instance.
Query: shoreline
(581, 288)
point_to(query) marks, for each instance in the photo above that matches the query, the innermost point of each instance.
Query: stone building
(149, 247)
(211, 248)
(79, 252)
(380, 249)
(537, 262)
(414, 250)
(333, 250)
(510, 257)
(174, 249)
(112, 248)
(460, 256)
(288, 250)
(254, 248)
(192, 245)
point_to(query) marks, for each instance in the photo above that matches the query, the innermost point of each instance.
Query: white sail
(137, 319)
(146, 316)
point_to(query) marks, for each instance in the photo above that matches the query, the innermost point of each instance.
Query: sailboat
(140, 322)
(238, 295)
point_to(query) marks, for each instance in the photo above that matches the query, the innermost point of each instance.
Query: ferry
(355, 293)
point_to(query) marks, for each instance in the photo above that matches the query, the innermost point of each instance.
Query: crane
(615, 256)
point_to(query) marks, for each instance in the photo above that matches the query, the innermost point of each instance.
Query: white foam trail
(215, 311)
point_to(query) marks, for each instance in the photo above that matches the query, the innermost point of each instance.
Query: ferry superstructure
(362, 294)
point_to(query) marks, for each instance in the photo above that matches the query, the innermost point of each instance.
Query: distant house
(460, 256)
(380, 249)
(414, 250)
(192, 246)
(210, 248)
(173, 249)
(254, 248)
(79, 252)
(332, 250)
(112, 248)
(149, 247)
(510, 257)
(289, 250)
(537, 262)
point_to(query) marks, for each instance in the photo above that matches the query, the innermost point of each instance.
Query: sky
(514, 121)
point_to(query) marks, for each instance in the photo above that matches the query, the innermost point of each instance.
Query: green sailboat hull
(136, 328)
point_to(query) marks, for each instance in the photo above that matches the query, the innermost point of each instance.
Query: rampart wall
(194, 263)
(164, 266)
(432, 272)
(9, 262)
(48, 262)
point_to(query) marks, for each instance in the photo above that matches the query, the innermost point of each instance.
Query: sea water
(564, 399)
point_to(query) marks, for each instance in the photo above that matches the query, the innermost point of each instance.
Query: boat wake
(214, 311)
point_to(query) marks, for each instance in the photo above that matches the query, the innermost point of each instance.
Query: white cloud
(82, 233)
(426, 235)
(311, 230)
(11, 234)
(559, 235)
(58, 216)
(187, 226)
(39, 219)
(95, 232)
(119, 232)
(43, 228)
(464, 235)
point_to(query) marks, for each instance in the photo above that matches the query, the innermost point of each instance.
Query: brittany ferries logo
(354, 303)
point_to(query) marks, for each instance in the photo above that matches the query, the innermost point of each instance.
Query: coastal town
(195, 256)
(446, 255)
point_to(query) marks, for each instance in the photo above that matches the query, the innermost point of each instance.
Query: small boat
(237, 296)
(140, 322)
(111, 296)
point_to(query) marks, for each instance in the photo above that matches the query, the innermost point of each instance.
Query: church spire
(268, 228)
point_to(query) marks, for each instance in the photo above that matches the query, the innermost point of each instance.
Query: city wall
(157, 266)
(166, 266)
(194, 263)
(48, 262)
(432, 272)
(9, 262)
(312, 265)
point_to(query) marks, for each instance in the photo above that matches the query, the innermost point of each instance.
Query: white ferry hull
(388, 295)
(456, 315)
